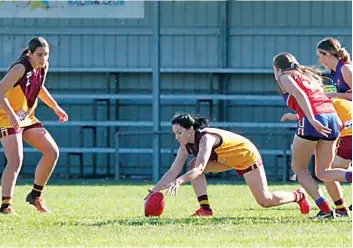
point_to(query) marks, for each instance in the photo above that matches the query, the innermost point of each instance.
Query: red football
(154, 204)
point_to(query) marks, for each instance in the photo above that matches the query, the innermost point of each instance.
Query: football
(154, 204)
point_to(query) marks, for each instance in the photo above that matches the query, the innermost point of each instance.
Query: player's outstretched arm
(174, 170)
(205, 149)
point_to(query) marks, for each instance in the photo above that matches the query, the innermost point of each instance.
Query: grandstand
(204, 57)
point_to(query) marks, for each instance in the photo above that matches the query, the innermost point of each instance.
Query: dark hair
(188, 120)
(33, 44)
(333, 46)
(287, 62)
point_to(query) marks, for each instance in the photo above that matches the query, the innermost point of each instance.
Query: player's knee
(14, 162)
(52, 153)
(300, 170)
(339, 162)
(321, 175)
(265, 201)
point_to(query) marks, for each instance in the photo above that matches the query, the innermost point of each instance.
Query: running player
(343, 156)
(318, 127)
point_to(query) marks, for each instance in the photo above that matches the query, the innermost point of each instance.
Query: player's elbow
(200, 169)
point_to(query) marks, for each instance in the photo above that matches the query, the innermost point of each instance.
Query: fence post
(117, 157)
(286, 159)
(156, 105)
(285, 169)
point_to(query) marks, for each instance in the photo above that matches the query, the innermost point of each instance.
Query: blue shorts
(306, 131)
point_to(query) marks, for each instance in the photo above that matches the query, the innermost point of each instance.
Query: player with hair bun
(336, 59)
(218, 150)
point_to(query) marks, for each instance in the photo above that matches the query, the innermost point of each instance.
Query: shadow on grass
(195, 221)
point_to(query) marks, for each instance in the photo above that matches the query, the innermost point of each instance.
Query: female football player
(318, 127)
(336, 59)
(218, 150)
(19, 92)
(344, 148)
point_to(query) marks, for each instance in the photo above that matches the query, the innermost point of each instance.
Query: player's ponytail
(200, 122)
(311, 71)
(24, 54)
(287, 62)
(333, 46)
(343, 54)
(187, 120)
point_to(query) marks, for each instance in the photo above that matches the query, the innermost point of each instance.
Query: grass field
(104, 213)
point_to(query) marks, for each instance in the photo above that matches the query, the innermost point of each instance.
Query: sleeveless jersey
(233, 150)
(319, 102)
(337, 78)
(23, 97)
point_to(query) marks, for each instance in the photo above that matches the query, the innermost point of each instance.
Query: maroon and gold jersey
(233, 150)
(23, 97)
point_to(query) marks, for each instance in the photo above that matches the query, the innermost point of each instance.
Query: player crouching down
(218, 150)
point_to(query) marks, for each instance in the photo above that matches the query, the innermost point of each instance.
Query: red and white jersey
(319, 102)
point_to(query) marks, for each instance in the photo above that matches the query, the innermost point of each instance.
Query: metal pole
(223, 26)
(223, 63)
(156, 90)
(223, 58)
(285, 160)
(284, 165)
(117, 157)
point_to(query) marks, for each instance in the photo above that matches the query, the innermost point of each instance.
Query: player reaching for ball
(218, 150)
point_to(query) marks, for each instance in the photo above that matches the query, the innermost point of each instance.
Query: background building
(208, 48)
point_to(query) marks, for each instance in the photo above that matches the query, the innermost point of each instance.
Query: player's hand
(14, 121)
(63, 117)
(289, 116)
(325, 131)
(172, 188)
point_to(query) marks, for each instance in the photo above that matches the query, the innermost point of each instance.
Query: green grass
(109, 214)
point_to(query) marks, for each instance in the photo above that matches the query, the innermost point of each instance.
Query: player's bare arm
(174, 170)
(205, 148)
